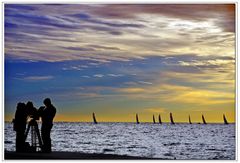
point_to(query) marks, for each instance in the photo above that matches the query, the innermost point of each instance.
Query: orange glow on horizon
(179, 117)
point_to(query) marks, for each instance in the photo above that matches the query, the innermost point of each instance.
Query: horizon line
(134, 122)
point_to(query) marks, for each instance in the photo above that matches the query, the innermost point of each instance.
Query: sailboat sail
(171, 118)
(203, 119)
(94, 119)
(189, 118)
(225, 120)
(154, 119)
(137, 119)
(159, 119)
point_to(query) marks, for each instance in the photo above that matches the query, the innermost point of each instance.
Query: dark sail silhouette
(94, 119)
(154, 119)
(203, 119)
(171, 118)
(159, 119)
(225, 120)
(137, 119)
(189, 118)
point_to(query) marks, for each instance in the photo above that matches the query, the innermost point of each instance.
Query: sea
(163, 141)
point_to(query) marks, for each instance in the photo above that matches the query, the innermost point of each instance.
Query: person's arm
(40, 111)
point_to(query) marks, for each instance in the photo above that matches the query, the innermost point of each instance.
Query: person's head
(21, 106)
(29, 104)
(31, 110)
(47, 102)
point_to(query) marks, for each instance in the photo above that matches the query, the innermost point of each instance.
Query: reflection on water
(180, 141)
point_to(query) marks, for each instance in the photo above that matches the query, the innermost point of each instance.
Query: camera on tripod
(36, 140)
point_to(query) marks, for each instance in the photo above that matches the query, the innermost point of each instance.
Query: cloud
(86, 76)
(89, 19)
(87, 95)
(197, 12)
(178, 94)
(115, 75)
(143, 82)
(202, 97)
(103, 47)
(131, 90)
(79, 49)
(37, 78)
(94, 64)
(78, 68)
(155, 110)
(216, 63)
(98, 75)
(96, 33)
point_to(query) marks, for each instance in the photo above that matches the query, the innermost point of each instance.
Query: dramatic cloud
(120, 60)
(107, 33)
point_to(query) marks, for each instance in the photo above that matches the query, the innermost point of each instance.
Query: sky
(119, 60)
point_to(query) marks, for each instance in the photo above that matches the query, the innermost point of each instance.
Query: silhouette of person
(20, 121)
(47, 114)
(31, 110)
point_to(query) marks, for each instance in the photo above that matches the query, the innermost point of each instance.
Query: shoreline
(10, 155)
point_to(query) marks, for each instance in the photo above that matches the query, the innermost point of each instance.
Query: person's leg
(43, 134)
(17, 142)
(48, 140)
(20, 141)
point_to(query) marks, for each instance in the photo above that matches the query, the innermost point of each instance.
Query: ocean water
(164, 141)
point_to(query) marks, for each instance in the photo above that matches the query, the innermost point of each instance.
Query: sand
(66, 155)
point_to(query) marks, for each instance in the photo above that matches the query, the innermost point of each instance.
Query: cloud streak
(56, 33)
(37, 78)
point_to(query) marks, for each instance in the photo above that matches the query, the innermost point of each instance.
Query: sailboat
(171, 118)
(225, 120)
(137, 119)
(94, 119)
(159, 119)
(154, 119)
(189, 118)
(203, 119)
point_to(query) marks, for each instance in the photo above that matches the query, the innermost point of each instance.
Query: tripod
(36, 141)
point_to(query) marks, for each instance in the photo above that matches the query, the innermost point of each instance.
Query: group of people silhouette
(28, 114)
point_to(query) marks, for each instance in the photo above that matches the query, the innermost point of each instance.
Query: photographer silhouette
(28, 113)
(19, 125)
(47, 114)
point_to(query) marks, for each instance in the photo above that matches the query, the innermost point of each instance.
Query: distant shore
(9, 155)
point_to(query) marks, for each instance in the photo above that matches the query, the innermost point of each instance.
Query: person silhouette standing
(20, 121)
(47, 115)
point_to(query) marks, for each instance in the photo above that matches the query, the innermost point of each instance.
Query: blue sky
(129, 59)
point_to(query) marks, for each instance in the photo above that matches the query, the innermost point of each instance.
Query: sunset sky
(119, 60)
